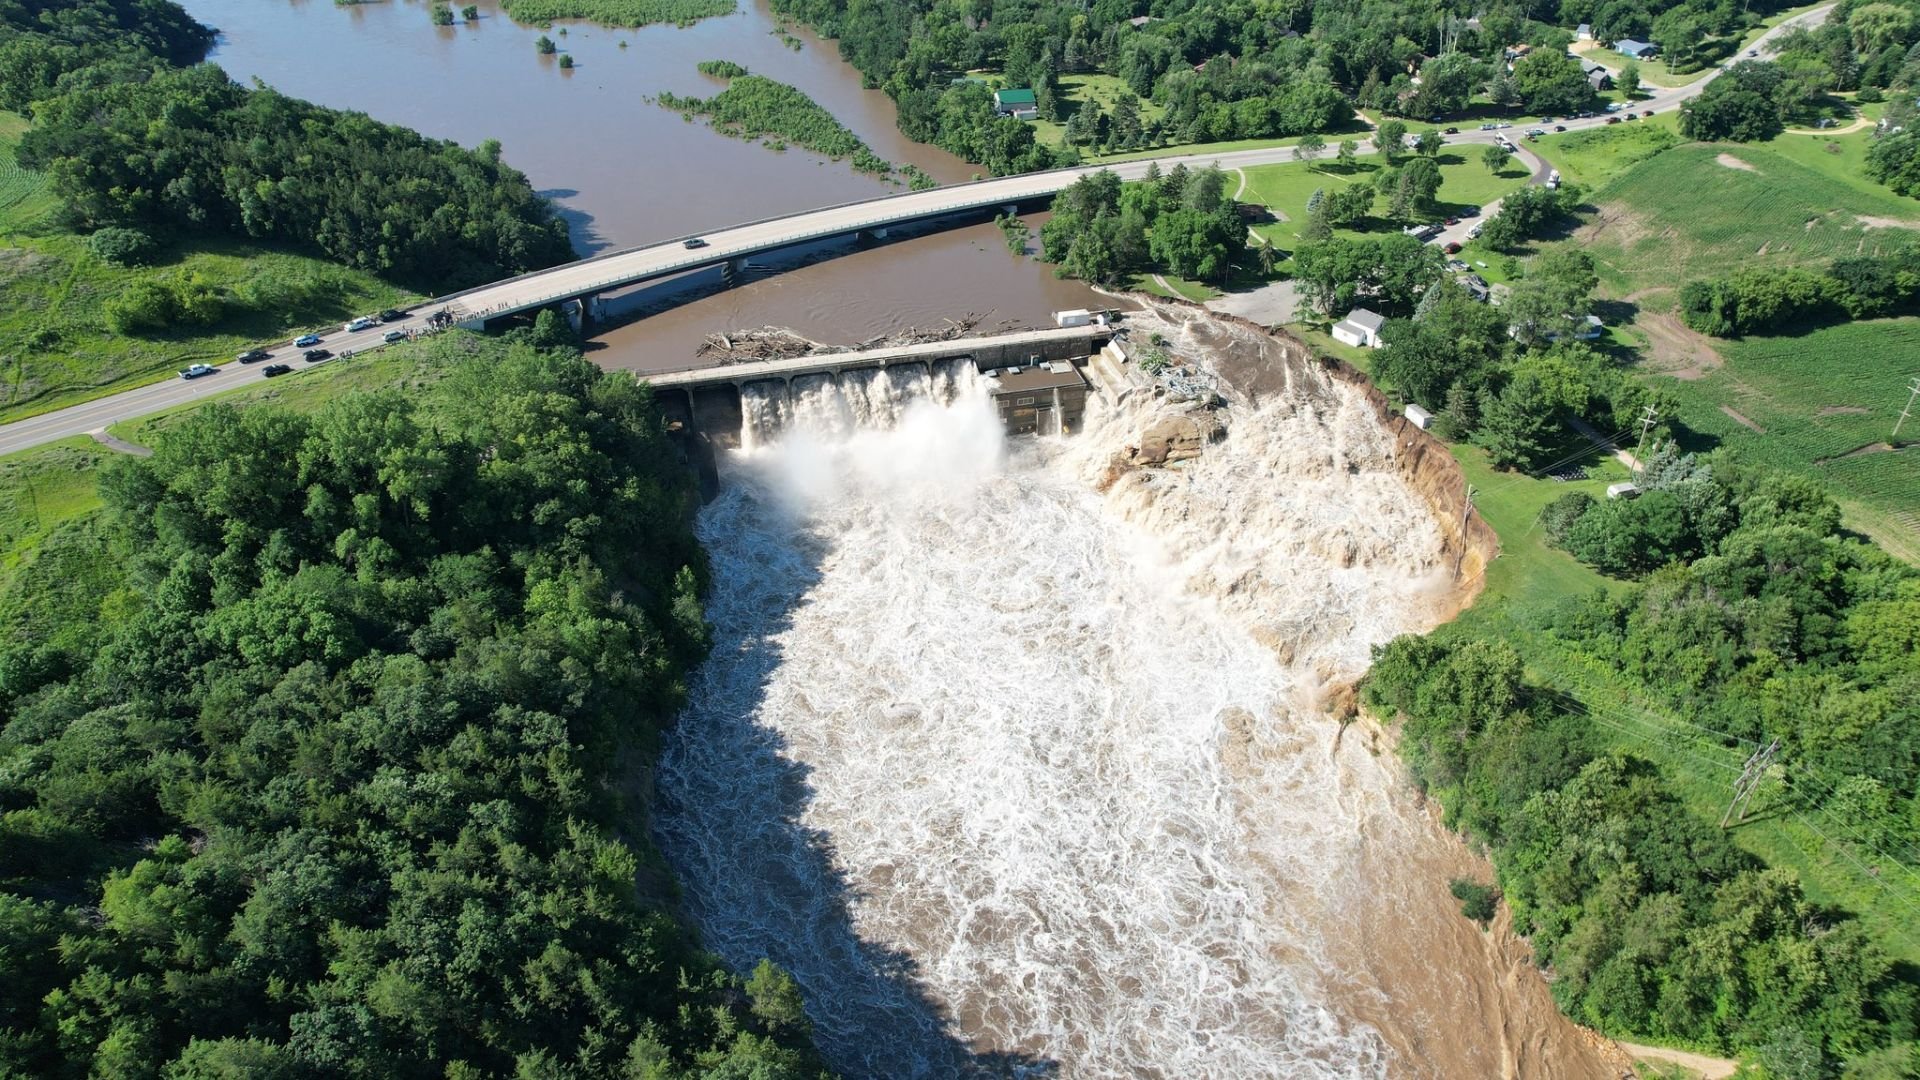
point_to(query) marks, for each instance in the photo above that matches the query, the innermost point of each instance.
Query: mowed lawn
(1285, 189)
(1704, 209)
(1826, 403)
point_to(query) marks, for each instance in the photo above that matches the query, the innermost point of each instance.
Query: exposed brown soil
(1735, 416)
(1676, 349)
(1863, 451)
(1872, 221)
(1616, 223)
(1732, 162)
(1841, 410)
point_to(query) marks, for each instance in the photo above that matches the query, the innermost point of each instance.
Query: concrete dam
(1038, 379)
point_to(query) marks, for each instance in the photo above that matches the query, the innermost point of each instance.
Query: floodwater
(1016, 780)
(626, 171)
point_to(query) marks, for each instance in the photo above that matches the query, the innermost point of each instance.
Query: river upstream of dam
(1019, 776)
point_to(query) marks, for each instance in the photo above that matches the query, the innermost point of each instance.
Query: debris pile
(780, 343)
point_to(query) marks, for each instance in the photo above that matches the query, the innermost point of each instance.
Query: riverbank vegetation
(628, 13)
(474, 636)
(756, 107)
(1103, 231)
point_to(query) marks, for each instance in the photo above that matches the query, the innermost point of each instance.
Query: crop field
(1825, 405)
(1699, 210)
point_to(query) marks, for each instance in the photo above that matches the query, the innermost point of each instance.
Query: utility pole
(1750, 777)
(1465, 513)
(1647, 420)
(1914, 389)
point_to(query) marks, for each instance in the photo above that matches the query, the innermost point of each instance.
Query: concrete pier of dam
(1039, 379)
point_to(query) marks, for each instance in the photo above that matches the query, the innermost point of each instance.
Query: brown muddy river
(626, 171)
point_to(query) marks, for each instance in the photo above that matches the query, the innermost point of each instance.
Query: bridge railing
(461, 313)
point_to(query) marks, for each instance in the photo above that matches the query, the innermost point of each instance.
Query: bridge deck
(996, 345)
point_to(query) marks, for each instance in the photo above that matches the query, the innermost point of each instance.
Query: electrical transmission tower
(1750, 777)
(1914, 389)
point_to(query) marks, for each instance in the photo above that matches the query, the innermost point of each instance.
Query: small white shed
(1073, 317)
(1360, 328)
(1421, 418)
(1622, 490)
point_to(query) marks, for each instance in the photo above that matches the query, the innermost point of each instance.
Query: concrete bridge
(730, 248)
(713, 400)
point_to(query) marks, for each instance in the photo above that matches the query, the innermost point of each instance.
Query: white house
(1639, 50)
(1360, 328)
(1421, 418)
(1584, 33)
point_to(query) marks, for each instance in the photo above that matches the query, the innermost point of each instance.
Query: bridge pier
(870, 236)
(731, 271)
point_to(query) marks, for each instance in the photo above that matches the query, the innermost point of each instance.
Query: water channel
(626, 171)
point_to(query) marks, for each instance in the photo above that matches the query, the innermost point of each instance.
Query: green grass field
(1285, 189)
(42, 489)
(1594, 156)
(1699, 210)
(55, 346)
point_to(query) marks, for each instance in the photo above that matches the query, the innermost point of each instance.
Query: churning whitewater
(1010, 772)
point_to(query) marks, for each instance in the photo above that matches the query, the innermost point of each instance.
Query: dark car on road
(314, 356)
(276, 369)
(1559, 127)
(253, 356)
(1452, 131)
(391, 315)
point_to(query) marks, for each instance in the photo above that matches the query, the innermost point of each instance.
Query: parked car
(1613, 119)
(1471, 211)
(1559, 127)
(1489, 126)
(1534, 133)
(305, 340)
(314, 356)
(1452, 221)
(1451, 131)
(1753, 52)
(194, 371)
(1647, 113)
(276, 369)
(1474, 233)
(695, 242)
(1452, 247)
(1456, 266)
(253, 356)
(359, 324)
(391, 315)
(1613, 106)
(1633, 116)
(392, 336)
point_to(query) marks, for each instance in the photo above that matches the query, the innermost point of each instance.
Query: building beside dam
(1042, 398)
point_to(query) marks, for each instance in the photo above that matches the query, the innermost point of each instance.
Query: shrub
(722, 69)
(545, 46)
(1562, 514)
(471, 13)
(1477, 902)
(566, 63)
(442, 15)
(123, 247)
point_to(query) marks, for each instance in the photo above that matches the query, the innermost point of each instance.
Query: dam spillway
(1037, 379)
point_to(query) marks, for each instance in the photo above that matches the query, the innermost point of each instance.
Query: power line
(1591, 687)
(1869, 875)
(1912, 858)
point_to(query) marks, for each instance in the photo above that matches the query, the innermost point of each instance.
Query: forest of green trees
(311, 743)
(131, 139)
(1755, 617)
(1231, 69)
